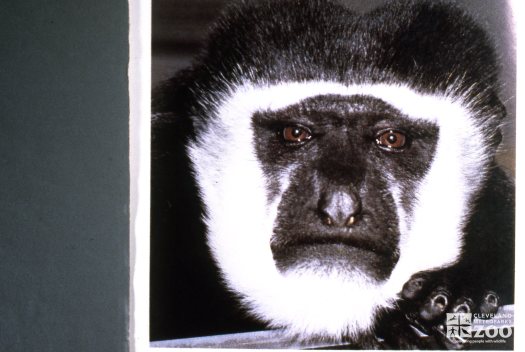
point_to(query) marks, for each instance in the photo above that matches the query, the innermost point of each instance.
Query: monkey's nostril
(327, 220)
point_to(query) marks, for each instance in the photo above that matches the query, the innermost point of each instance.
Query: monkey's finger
(414, 288)
(463, 305)
(436, 304)
(489, 302)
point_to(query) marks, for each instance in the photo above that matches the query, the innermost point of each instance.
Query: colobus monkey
(345, 164)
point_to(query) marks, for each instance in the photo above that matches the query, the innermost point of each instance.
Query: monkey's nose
(339, 208)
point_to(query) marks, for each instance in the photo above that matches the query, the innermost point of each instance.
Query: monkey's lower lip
(349, 243)
(329, 249)
(340, 256)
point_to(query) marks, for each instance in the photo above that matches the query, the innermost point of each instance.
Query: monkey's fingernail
(350, 221)
(491, 298)
(441, 301)
(463, 305)
(435, 305)
(489, 303)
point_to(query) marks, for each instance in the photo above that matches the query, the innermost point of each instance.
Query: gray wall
(64, 176)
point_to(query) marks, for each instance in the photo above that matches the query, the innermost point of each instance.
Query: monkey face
(339, 163)
(319, 196)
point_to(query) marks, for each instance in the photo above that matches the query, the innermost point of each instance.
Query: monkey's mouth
(336, 253)
(356, 243)
(353, 242)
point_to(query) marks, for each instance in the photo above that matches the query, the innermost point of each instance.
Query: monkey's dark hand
(427, 297)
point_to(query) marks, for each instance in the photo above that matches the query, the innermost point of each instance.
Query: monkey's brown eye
(296, 134)
(391, 140)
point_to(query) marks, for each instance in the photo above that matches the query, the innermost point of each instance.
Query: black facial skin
(338, 210)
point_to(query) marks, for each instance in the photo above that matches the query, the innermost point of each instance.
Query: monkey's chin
(312, 302)
(311, 298)
(336, 257)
